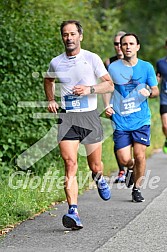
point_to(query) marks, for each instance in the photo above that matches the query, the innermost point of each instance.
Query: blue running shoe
(103, 188)
(72, 220)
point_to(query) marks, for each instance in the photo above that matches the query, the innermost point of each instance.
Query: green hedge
(28, 42)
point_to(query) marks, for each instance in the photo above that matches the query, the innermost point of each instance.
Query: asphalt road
(115, 225)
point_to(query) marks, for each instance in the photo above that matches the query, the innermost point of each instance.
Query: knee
(70, 166)
(124, 161)
(140, 158)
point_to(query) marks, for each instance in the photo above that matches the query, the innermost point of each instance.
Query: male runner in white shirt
(80, 122)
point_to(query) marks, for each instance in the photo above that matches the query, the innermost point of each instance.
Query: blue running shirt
(162, 70)
(131, 108)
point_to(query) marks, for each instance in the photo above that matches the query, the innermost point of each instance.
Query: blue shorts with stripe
(126, 138)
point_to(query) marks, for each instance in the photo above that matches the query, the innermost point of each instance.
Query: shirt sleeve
(151, 79)
(51, 72)
(99, 67)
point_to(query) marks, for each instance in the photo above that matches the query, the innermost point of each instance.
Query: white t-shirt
(84, 68)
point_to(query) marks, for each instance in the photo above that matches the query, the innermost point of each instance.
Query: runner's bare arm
(105, 86)
(49, 87)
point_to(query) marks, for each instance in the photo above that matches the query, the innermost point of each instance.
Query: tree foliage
(148, 20)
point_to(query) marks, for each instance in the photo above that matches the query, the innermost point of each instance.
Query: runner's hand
(81, 90)
(145, 92)
(109, 111)
(53, 106)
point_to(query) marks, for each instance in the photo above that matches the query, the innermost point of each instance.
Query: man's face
(129, 46)
(117, 46)
(71, 38)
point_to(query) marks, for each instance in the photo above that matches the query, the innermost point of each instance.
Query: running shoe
(129, 178)
(136, 195)
(103, 188)
(165, 147)
(120, 178)
(72, 220)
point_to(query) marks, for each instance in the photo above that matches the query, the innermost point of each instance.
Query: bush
(27, 46)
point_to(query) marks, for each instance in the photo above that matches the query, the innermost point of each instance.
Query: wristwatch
(149, 89)
(92, 90)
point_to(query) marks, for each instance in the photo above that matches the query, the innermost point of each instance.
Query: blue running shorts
(126, 138)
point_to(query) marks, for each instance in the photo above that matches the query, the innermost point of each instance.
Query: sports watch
(92, 90)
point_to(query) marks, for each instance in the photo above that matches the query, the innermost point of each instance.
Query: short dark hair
(166, 42)
(130, 34)
(77, 23)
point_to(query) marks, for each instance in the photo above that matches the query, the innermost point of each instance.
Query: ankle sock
(73, 209)
(96, 176)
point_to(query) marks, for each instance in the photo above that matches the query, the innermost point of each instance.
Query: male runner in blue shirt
(135, 81)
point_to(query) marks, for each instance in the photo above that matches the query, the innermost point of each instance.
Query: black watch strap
(149, 89)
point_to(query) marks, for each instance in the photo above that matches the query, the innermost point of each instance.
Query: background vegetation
(30, 38)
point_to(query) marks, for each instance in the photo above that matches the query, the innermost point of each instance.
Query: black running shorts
(163, 109)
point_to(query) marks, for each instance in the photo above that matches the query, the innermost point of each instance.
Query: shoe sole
(133, 200)
(119, 181)
(129, 186)
(116, 182)
(70, 223)
(109, 197)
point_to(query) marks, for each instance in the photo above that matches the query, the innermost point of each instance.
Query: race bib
(73, 102)
(129, 106)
